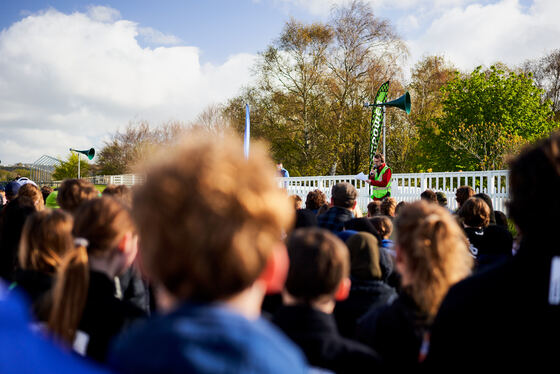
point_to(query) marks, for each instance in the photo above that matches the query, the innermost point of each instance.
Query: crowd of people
(210, 267)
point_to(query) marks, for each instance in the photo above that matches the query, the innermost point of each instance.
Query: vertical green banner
(377, 121)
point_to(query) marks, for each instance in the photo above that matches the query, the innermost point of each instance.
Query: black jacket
(316, 334)
(501, 318)
(36, 286)
(396, 332)
(104, 315)
(364, 296)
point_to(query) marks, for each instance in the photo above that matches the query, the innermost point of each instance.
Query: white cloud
(483, 34)
(153, 36)
(68, 80)
(103, 13)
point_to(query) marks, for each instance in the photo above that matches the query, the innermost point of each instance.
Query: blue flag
(247, 131)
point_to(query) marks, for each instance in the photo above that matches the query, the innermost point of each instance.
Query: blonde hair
(435, 252)
(209, 218)
(30, 194)
(100, 223)
(46, 237)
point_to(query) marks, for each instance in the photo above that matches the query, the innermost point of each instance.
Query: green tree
(429, 75)
(509, 101)
(69, 168)
(313, 81)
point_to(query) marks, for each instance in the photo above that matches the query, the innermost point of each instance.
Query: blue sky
(73, 72)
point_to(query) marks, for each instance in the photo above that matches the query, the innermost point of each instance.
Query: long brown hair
(46, 237)
(435, 252)
(99, 226)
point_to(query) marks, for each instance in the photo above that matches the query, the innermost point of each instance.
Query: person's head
(501, 219)
(383, 225)
(104, 235)
(323, 209)
(378, 159)
(429, 196)
(536, 166)
(374, 208)
(305, 218)
(400, 206)
(315, 199)
(319, 267)
(441, 199)
(432, 253)
(46, 191)
(11, 190)
(364, 256)
(297, 201)
(388, 206)
(119, 192)
(73, 192)
(210, 220)
(462, 194)
(45, 239)
(30, 194)
(362, 224)
(344, 195)
(475, 213)
(488, 200)
(279, 165)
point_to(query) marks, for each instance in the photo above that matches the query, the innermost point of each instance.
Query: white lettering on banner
(554, 287)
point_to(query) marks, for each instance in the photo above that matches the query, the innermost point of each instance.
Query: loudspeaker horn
(90, 153)
(402, 102)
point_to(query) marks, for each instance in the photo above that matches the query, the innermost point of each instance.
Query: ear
(276, 269)
(355, 203)
(343, 289)
(332, 202)
(125, 242)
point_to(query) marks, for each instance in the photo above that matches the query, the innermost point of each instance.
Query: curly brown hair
(434, 252)
(315, 199)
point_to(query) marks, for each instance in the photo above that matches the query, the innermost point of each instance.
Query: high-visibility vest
(380, 192)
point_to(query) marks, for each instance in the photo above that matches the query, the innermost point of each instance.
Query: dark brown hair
(475, 212)
(318, 262)
(344, 195)
(315, 199)
(383, 225)
(45, 239)
(463, 193)
(374, 208)
(537, 165)
(73, 192)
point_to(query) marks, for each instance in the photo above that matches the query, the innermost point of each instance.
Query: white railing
(405, 187)
(126, 179)
(408, 187)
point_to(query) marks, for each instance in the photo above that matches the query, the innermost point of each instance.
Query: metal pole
(384, 150)
(79, 163)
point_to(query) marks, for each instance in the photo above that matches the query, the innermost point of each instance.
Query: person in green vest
(380, 178)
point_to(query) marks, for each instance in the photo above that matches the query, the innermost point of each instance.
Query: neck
(323, 304)
(249, 301)
(104, 264)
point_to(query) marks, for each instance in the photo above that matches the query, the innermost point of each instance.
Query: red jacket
(384, 179)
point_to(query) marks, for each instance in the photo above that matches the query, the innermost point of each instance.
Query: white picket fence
(408, 187)
(405, 187)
